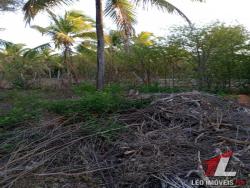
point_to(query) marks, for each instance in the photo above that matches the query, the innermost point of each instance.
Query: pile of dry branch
(162, 145)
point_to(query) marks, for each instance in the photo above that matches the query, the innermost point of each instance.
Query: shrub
(97, 104)
(24, 107)
(155, 88)
(85, 88)
(115, 89)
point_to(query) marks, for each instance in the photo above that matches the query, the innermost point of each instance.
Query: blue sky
(152, 20)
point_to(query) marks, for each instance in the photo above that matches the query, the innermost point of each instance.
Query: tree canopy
(10, 5)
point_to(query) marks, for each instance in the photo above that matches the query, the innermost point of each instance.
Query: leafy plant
(24, 107)
(155, 88)
(84, 88)
(104, 127)
(96, 104)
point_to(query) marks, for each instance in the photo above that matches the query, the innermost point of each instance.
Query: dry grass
(163, 146)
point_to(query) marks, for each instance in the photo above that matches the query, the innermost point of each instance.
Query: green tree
(65, 31)
(37, 61)
(215, 50)
(114, 45)
(176, 63)
(142, 56)
(10, 5)
(229, 44)
(11, 51)
(120, 10)
(12, 62)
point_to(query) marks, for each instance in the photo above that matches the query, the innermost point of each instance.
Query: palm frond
(10, 48)
(145, 38)
(30, 54)
(90, 35)
(10, 5)
(63, 39)
(77, 13)
(114, 38)
(54, 17)
(165, 5)
(40, 29)
(35, 53)
(64, 29)
(78, 21)
(123, 14)
(86, 48)
(199, 0)
(42, 47)
(33, 7)
(3, 42)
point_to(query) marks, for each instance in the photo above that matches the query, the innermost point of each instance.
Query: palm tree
(143, 52)
(65, 30)
(114, 43)
(11, 51)
(10, 5)
(144, 39)
(12, 57)
(120, 10)
(37, 59)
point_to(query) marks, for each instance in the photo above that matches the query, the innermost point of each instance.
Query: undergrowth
(30, 105)
(156, 88)
(97, 103)
(86, 102)
(23, 107)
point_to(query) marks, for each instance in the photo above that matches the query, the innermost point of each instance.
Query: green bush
(25, 107)
(97, 103)
(115, 89)
(30, 105)
(244, 90)
(88, 88)
(85, 88)
(155, 88)
(18, 115)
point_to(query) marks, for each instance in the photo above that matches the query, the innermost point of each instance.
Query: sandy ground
(244, 100)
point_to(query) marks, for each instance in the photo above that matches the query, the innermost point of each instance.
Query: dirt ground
(244, 100)
(163, 144)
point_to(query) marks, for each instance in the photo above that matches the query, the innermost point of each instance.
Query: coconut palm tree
(121, 11)
(65, 30)
(144, 39)
(11, 51)
(12, 59)
(10, 5)
(37, 60)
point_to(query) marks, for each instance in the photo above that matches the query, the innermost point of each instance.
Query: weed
(24, 107)
(84, 88)
(30, 105)
(155, 88)
(96, 104)
(7, 148)
(104, 127)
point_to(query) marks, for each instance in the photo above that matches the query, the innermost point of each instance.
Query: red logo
(217, 165)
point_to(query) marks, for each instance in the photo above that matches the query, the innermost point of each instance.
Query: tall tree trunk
(165, 71)
(173, 73)
(50, 73)
(58, 74)
(148, 74)
(72, 68)
(100, 46)
(65, 61)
